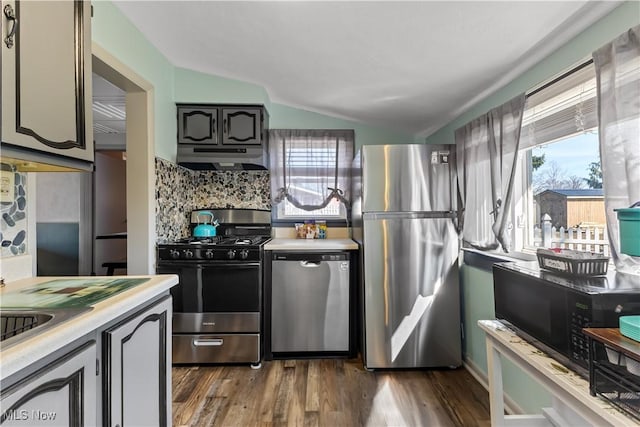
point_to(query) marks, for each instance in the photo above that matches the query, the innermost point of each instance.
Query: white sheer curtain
(487, 152)
(618, 76)
(310, 167)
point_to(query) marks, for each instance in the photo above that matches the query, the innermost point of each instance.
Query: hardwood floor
(325, 392)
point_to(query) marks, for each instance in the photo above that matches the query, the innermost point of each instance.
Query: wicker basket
(573, 262)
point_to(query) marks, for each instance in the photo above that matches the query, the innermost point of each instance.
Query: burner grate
(200, 240)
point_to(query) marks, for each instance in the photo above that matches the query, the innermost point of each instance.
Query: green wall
(611, 26)
(477, 295)
(283, 117)
(117, 35)
(193, 86)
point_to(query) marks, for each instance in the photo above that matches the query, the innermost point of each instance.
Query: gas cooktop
(237, 248)
(221, 240)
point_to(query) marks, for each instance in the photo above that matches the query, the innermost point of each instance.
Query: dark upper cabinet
(221, 124)
(241, 126)
(46, 79)
(198, 125)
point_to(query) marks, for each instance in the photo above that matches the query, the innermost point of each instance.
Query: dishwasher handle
(310, 264)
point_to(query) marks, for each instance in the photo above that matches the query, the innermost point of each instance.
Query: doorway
(139, 165)
(109, 178)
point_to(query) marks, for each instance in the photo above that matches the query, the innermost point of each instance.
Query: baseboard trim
(510, 405)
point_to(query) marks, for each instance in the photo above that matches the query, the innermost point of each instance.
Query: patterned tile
(13, 225)
(180, 190)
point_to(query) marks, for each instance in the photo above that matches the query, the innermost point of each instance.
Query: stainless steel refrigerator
(403, 217)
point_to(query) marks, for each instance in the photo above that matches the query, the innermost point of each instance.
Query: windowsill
(484, 260)
(292, 222)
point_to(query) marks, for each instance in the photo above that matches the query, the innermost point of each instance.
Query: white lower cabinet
(63, 393)
(137, 369)
(121, 376)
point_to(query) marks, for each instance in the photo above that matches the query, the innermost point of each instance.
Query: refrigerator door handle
(409, 215)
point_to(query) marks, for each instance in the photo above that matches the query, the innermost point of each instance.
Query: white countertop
(558, 379)
(23, 354)
(310, 244)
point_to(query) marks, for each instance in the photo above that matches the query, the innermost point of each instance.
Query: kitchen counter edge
(20, 356)
(278, 244)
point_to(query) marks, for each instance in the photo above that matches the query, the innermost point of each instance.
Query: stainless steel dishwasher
(310, 302)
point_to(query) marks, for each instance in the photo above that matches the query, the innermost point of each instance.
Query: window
(559, 177)
(310, 174)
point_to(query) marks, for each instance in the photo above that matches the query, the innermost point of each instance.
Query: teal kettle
(205, 229)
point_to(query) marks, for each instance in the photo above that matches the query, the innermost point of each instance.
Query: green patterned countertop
(67, 293)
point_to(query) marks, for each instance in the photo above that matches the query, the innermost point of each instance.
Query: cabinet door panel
(198, 126)
(138, 368)
(63, 393)
(241, 126)
(46, 79)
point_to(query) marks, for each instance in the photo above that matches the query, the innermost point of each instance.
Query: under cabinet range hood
(202, 157)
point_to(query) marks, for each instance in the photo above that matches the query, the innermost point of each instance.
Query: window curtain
(487, 152)
(618, 78)
(309, 168)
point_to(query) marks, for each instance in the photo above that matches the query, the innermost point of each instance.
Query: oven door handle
(219, 264)
(214, 342)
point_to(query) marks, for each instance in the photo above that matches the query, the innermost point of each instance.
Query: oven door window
(231, 288)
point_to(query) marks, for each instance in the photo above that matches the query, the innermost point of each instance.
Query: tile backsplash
(180, 190)
(13, 228)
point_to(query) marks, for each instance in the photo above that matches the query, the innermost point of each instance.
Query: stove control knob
(231, 254)
(188, 254)
(174, 254)
(244, 254)
(208, 254)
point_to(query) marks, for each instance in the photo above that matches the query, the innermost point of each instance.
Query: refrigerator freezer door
(411, 293)
(403, 178)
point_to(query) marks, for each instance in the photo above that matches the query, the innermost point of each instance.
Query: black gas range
(217, 304)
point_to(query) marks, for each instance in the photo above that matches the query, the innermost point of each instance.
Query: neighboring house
(571, 208)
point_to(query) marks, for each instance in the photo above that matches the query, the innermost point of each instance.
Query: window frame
(522, 210)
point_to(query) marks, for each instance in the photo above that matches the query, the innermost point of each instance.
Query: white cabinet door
(46, 77)
(61, 394)
(137, 376)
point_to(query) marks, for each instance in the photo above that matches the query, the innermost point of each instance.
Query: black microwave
(552, 308)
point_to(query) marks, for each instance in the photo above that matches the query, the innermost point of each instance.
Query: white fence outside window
(589, 238)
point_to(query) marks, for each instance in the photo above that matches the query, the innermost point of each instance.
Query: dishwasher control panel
(309, 256)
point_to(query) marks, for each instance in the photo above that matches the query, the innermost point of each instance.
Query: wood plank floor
(325, 392)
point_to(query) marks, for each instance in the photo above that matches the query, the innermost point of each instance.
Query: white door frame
(141, 218)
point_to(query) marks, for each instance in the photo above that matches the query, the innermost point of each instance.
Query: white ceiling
(407, 66)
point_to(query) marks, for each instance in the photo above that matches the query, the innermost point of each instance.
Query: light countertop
(560, 380)
(25, 353)
(278, 244)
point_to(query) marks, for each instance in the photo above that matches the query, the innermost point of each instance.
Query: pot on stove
(205, 229)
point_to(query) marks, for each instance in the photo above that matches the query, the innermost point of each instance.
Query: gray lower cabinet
(61, 393)
(46, 78)
(137, 369)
